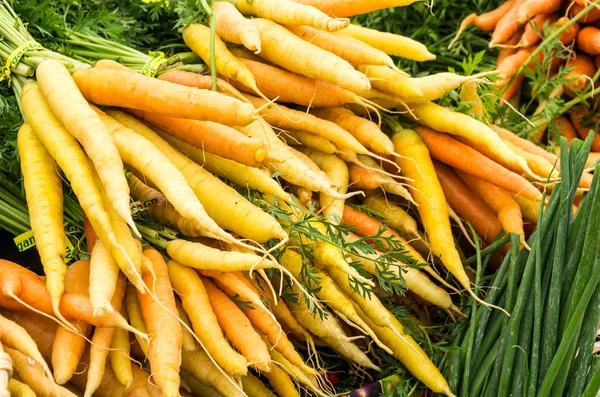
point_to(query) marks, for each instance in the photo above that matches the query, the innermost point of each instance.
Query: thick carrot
(238, 328)
(233, 27)
(212, 137)
(462, 157)
(290, 87)
(529, 209)
(588, 39)
(68, 347)
(19, 389)
(511, 64)
(307, 59)
(582, 73)
(43, 191)
(201, 367)
(240, 174)
(525, 144)
(564, 128)
(133, 90)
(337, 171)
(568, 35)
(201, 81)
(433, 208)
(197, 38)
(538, 164)
(160, 315)
(507, 26)
(65, 149)
(586, 121)
(104, 273)
(221, 202)
(281, 382)
(591, 16)
(486, 22)
(467, 205)
(102, 341)
(532, 8)
(254, 387)
(446, 120)
(119, 355)
(390, 81)
(73, 111)
(535, 29)
(346, 47)
(391, 44)
(349, 8)
(190, 288)
(290, 13)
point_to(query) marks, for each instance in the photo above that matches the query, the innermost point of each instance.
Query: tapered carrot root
(507, 26)
(486, 22)
(73, 111)
(133, 90)
(212, 137)
(348, 8)
(190, 79)
(307, 59)
(233, 27)
(363, 178)
(289, 13)
(391, 82)
(531, 8)
(436, 85)
(43, 191)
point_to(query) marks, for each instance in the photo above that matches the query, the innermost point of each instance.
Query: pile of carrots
(299, 115)
(525, 30)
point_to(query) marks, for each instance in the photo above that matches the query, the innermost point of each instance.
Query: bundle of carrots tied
(199, 293)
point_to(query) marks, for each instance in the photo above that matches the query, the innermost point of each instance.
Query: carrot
(410, 354)
(511, 64)
(415, 164)
(201, 367)
(231, 26)
(513, 89)
(535, 29)
(567, 36)
(585, 122)
(588, 39)
(189, 343)
(295, 88)
(538, 164)
(391, 82)
(221, 202)
(72, 160)
(198, 388)
(394, 215)
(525, 144)
(307, 59)
(18, 389)
(531, 8)
(191, 79)
(337, 171)
(346, 47)
(69, 347)
(238, 328)
(43, 191)
(290, 13)
(197, 38)
(300, 138)
(441, 119)
(349, 8)
(436, 85)
(72, 110)
(371, 176)
(101, 343)
(591, 16)
(104, 273)
(510, 47)
(254, 387)
(468, 205)
(501, 202)
(391, 44)
(486, 22)
(365, 131)
(90, 235)
(508, 25)
(212, 137)
(529, 209)
(135, 316)
(120, 88)
(565, 128)
(119, 355)
(33, 376)
(242, 175)
(190, 288)
(281, 382)
(164, 351)
(582, 73)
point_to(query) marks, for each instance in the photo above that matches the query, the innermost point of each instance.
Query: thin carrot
(119, 355)
(231, 26)
(588, 39)
(135, 316)
(189, 343)
(200, 366)
(507, 26)
(377, 174)
(43, 191)
(135, 91)
(164, 352)
(467, 204)
(586, 121)
(529, 209)
(349, 8)
(73, 111)
(281, 382)
(307, 59)
(198, 388)
(582, 73)
(290, 13)
(531, 8)
(300, 138)
(486, 22)
(254, 387)
(68, 347)
(190, 79)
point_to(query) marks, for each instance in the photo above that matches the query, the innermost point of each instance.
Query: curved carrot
(486, 22)
(588, 39)
(531, 8)
(231, 26)
(582, 73)
(133, 90)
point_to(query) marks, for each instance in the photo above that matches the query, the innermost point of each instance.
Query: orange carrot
(588, 39)
(90, 235)
(507, 26)
(567, 36)
(160, 315)
(511, 64)
(535, 29)
(582, 73)
(510, 47)
(513, 88)
(592, 16)
(467, 204)
(133, 90)
(585, 121)
(531, 8)
(201, 81)
(565, 128)
(486, 22)
(462, 157)
(212, 137)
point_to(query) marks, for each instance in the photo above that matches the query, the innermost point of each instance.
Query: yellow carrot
(104, 273)
(391, 82)
(231, 26)
(119, 355)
